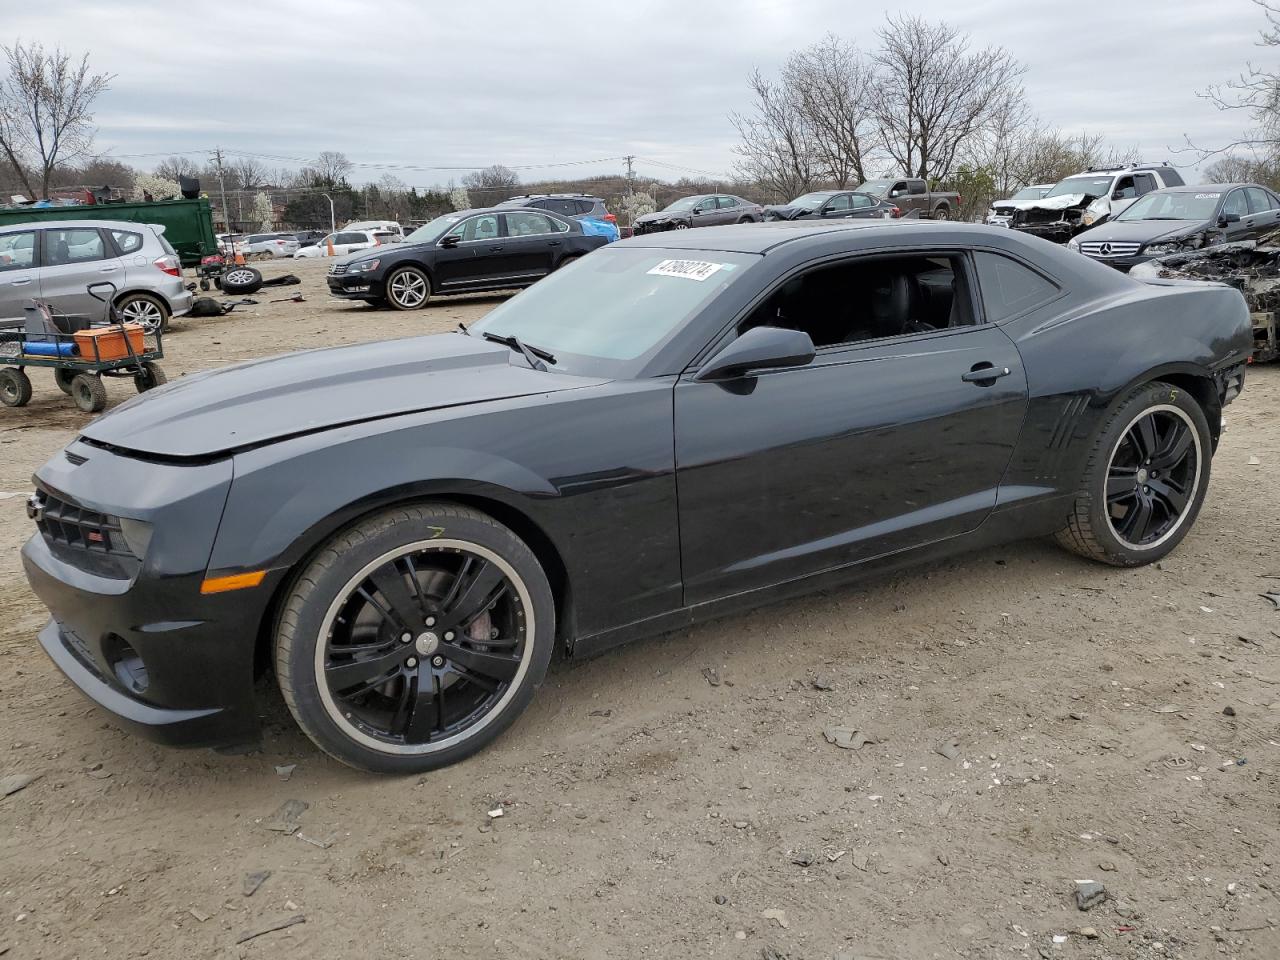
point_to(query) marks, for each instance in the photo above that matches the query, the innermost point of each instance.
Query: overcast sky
(448, 84)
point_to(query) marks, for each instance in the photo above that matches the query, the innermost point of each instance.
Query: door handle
(108, 269)
(497, 249)
(984, 374)
(555, 243)
(20, 281)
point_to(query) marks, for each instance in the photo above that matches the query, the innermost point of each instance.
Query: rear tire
(150, 313)
(15, 387)
(411, 682)
(1145, 479)
(89, 392)
(942, 213)
(568, 260)
(63, 377)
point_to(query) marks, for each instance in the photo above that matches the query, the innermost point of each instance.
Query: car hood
(785, 210)
(658, 216)
(1064, 202)
(254, 403)
(1141, 231)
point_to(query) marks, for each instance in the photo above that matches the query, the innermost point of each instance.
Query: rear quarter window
(1009, 288)
(127, 241)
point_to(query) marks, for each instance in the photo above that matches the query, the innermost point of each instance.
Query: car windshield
(1091, 186)
(810, 201)
(685, 203)
(433, 231)
(877, 188)
(1028, 193)
(1173, 206)
(610, 312)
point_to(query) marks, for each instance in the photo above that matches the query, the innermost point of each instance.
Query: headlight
(137, 536)
(364, 266)
(1158, 248)
(1073, 244)
(1096, 211)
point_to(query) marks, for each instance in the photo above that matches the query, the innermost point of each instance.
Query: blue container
(50, 349)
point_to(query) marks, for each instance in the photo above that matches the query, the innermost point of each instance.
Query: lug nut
(406, 638)
(448, 634)
(431, 621)
(411, 662)
(1146, 489)
(437, 661)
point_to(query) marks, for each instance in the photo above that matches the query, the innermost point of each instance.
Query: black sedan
(834, 205)
(1179, 219)
(465, 252)
(704, 210)
(676, 427)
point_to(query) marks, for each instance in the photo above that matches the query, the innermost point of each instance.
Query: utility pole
(222, 185)
(631, 173)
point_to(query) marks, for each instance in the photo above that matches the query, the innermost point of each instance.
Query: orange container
(107, 343)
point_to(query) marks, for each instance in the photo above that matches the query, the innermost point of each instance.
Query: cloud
(445, 84)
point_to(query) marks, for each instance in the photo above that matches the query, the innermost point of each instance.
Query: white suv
(1086, 199)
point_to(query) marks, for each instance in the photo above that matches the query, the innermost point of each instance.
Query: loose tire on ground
(241, 280)
(152, 376)
(89, 392)
(63, 377)
(1111, 497)
(415, 558)
(151, 313)
(15, 387)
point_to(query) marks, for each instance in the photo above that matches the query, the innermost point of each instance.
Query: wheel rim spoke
(1145, 437)
(404, 603)
(1175, 448)
(1120, 483)
(1138, 520)
(418, 712)
(363, 672)
(1171, 496)
(479, 582)
(497, 666)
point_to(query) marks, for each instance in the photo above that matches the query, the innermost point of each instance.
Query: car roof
(763, 237)
(63, 224)
(1201, 187)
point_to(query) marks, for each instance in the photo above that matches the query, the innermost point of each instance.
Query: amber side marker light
(236, 581)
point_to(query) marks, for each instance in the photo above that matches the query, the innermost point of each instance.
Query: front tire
(1145, 479)
(414, 638)
(151, 375)
(407, 288)
(15, 387)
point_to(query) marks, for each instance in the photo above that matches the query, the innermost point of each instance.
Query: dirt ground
(652, 811)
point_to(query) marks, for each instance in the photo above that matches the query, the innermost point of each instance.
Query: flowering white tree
(157, 188)
(459, 198)
(637, 205)
(262, 213)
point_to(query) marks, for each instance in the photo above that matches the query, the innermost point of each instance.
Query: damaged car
(705, 210)
(1252, 268)
(834, 205)
(679, 426)
(1001, 211)
(1180, 219)
(1087, 199)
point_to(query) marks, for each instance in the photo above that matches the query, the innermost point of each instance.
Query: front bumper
(658, 226)
(1123, 264)
(358, 286)
(1057, 232)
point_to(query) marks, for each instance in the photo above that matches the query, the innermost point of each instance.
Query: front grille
(337, 270)
(1102, 249)
(1040, 216)
(71, 525)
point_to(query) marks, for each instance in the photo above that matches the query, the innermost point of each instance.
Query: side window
(916, 186)
(1258, 200)
(350, 238)
(1124, 189)
(17, 250)
(562, 205)
(559, 226)
(1236, 203)
(839, 202)
(726, 202)
(476, 228)
(870, 298)
(1144, 182)
(528, 224)
(861, 201)
(899, 188)
(126, 240)
(581, 208)
(1009, 288)
(75, 245)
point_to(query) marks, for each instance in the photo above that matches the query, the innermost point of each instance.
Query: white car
(344, 242)
(273, 245)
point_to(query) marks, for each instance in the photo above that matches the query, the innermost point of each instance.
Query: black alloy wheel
(1152, 476)
(415, 638)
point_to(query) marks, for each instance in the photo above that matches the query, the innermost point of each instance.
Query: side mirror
(760, 348)
(451, 241)
(894, 194)
(696, 210)
(1228, 218)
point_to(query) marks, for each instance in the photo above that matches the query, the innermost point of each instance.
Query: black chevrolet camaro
(675, 427)
(465, 252)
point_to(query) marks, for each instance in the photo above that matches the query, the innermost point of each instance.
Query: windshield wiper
(534, 355)
(462, 328)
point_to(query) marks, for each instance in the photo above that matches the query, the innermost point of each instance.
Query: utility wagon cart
(79, 352)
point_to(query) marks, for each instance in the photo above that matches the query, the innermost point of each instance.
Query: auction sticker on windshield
(688, 269)
(1208, 196)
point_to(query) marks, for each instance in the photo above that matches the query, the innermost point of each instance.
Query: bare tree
(830, 83)
(175, 168)
(332, 168)
(46, 111)
(933, 96)
(247, 173)
(492, 181)
(777, 149)
(1256, 91)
